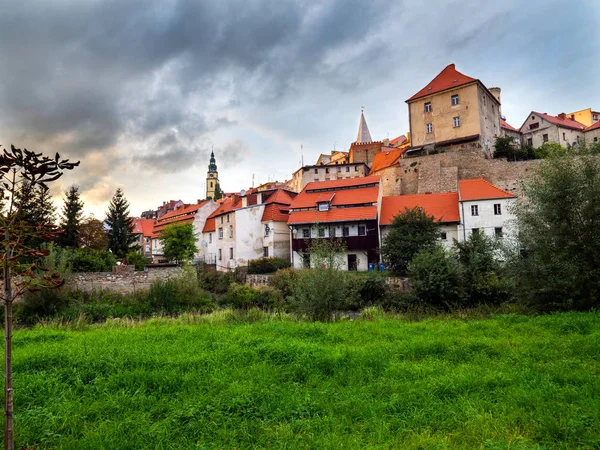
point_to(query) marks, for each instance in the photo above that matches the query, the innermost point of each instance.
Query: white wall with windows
(493, 217)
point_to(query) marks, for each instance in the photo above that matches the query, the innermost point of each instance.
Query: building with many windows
(539, 128)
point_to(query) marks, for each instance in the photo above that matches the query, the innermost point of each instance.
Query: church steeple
(363, 130)
(212, 178)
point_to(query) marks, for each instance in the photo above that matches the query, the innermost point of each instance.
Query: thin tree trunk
(9, 443)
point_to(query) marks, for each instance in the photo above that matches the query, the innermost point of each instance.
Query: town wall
(441, 172)
(122, 281)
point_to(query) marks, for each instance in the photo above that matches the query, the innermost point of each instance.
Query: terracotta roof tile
(334, 215)
(209, 225)
(397, 141)
(594, 126)
(443, 206)
(385, 159)
(275, 212)
(346, 182)
(480, 189)
(347, 197)
(447, 79)
(567, 122)
(143, 226)
(504, 124)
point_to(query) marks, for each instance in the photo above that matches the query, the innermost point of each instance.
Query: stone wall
(122, 281)
(441, 172)
(257, 280)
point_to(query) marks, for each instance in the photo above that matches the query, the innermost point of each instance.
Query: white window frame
(456, 121)
(497, 209)
(427, 107)
(474, 210)
(429, 128)
(454, 99)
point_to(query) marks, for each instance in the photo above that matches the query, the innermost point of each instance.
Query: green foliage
(480, 270)
(558, 266)
(90, 260)
(219, 381)
(434, 278)
(70, 224)
(136, 258)
(550, 150)
(218, 192)
(120, 226)
(214, 281)
(270, 299)
(409, 233)
(92, 234)
(507, 147)
(283, 280)
(179, 242)
(267, 265)
(240, 296)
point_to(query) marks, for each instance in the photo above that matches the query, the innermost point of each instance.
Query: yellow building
(212, 178)
(453, 109)
(585, 116)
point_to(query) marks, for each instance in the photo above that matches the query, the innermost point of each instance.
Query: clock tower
(212, 177)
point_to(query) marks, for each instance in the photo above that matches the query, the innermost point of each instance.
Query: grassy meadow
(221, 381)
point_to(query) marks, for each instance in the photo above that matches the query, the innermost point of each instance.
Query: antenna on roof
(302, 154)
(252, 180)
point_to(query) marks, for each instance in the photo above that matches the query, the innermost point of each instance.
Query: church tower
(212, 177)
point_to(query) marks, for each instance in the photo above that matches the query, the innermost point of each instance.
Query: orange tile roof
(276, 213)
(346, 182)
(567, 122)
(594, 126)
(397, 141)
(447, 79)
(443, 206)
(143, 226)
(385, 159)
(346, 197)
(182, 215)
(504, 124)
(333, 215)
(480, 189)
(279, 196)
(209, 225)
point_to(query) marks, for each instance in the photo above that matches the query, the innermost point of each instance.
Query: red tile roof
(334, 215)
(447, 79)
(385, 159)
(480, 189)
(566, 122)
(209, 225)
(397, 141)
(143, 226)
(276, 213)
(594, 126)
(346, 182)
(345, 197)
(504, 124)
(443, 206)
(182, 215)
(279, 196)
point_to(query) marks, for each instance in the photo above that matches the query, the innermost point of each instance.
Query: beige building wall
(278, 240)
(442, 114)
(226, 242)
(592, 136)
(563, 136)
(307, 174)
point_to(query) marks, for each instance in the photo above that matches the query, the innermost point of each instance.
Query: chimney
(496, 93)
(562, 116)
(259, 197)
(244, 201)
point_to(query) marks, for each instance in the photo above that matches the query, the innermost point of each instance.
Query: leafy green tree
(218, 192)
(19, 169)
(136, 258)
(179, 242)
(549, 149)
(410, 232)
(504, 147)
(434, 278)
(70, 224)
(92, 234)
(120, 225)
(558, 266)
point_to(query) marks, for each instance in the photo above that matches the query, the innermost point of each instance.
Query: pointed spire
(363, 130)
(212, 167)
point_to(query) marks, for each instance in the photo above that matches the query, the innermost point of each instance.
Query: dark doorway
(306, 260)
(352, 262)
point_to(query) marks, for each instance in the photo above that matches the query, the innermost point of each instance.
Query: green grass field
(510, 382)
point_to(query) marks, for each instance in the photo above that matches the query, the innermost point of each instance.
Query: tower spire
(363, 130)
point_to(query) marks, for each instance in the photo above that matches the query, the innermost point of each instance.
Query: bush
(214, 281)
(90, 260)
(270, 299)
(283, 280)
(434, 278)
(550, 149)
(240, 296)
(136, 258)
(41, 304)
(267, 265)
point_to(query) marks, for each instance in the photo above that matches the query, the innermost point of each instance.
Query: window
(443, 236)
(147, 239)
(147, 248)
(534, 126)
(428, 107)
(347, 169)
(221, 233)
(456, 122)
(356, 168)
(230, 231)
(530, 142)
(221, 219)
(227, 218)
(345, 231)
(211, 184)
(596, 139)
(327, 179)
(332, 232)
(497, 209)
(321, 232)
(209, 238)
(454, 99)
(475, 231)
(498, 232)
(429, 128)
(595, 117)
(474, 210)
(267, 230)
(339, 169)
(306, 233)
(316, 170)
(362, 230)
(327, 170)
(265, 252)
(323, 206)
(545, 137)
(230, 252)
(564, 137)
(220, 255)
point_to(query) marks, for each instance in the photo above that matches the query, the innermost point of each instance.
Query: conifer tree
(120, 225)
(218, 192)
(71, 218)
(44, 209)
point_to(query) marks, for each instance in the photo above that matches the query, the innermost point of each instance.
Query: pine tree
(120, 225)
(218, 192)
(44, 208)
(71, 219)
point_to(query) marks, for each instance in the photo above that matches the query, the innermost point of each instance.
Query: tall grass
(236, 379)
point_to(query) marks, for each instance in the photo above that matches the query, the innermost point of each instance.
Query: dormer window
(323, 206)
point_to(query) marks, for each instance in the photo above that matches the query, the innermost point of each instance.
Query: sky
(141, 91)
